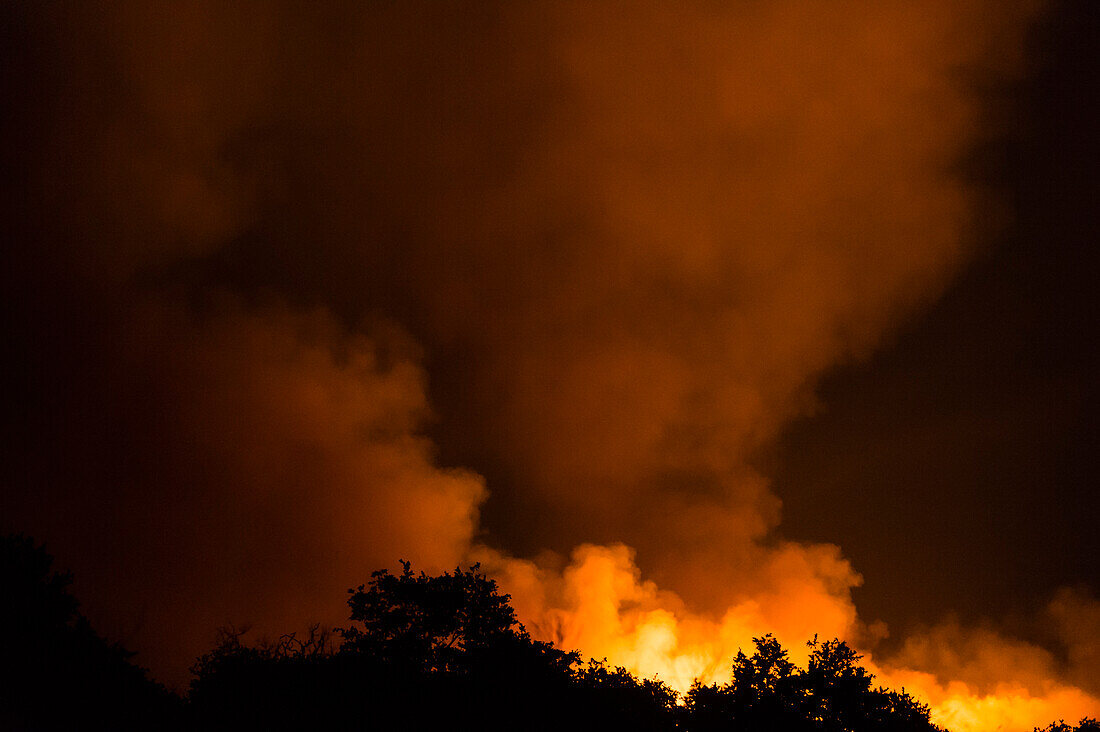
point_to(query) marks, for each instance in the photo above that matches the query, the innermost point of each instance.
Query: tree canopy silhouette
(1088, 724)
(833, 693)
(421, 652)
(453, 622)
(55, 671)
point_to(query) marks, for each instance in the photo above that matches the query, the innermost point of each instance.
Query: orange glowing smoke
(600, 604)
(632, 236)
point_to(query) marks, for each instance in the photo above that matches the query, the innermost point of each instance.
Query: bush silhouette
(449, 623)
(55, 671)
(420, 652)
(833, 693)
(446, 651)
(1087, 724)
(423, 652)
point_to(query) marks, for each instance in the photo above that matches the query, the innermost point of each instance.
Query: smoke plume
(281, 267)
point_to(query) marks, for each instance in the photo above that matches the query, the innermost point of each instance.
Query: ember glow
(301, 291)
(973, 679)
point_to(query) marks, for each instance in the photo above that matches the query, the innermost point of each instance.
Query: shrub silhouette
(768, 692)
(451, 623)
(1087, 724)
(446, 651)
(55, 671)
(421, 652)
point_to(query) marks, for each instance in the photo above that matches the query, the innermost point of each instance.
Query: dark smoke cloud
(242, 467)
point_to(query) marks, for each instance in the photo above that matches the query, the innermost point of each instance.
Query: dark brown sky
(293, 291)
(987, 403)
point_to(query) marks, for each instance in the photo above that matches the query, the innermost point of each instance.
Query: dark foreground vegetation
(422, 653)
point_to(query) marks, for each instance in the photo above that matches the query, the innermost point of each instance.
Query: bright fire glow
(600, 605)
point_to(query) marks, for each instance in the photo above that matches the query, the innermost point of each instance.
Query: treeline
(420, 653)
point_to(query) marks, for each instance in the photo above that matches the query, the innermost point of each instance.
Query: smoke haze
(288, 281)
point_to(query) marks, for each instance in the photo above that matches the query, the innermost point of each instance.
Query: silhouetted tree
(1088, 724)
(427, 652)
(424, 652)
(613, 697)
(453, 622)
(838, 690)
(269, 685)
(833, 693)
(839, 696)
(763, 693)
(55, 671)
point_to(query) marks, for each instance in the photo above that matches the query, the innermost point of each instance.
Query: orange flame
(601, 605)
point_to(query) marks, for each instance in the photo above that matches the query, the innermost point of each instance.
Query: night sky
(986, 403)
(689, 322)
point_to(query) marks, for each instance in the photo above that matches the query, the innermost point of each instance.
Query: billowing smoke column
(615, 244)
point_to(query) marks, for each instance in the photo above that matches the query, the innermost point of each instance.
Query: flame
(601, 605)
(961, 707)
